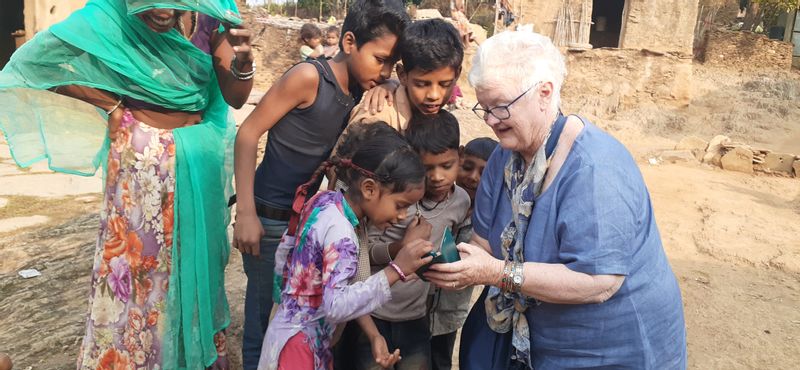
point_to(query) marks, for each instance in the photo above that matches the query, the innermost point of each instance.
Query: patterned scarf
(506, 311)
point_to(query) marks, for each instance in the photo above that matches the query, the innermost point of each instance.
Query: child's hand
(419, 228)
(381, 352)
(379, 95)
(413, 255)
(247, 234)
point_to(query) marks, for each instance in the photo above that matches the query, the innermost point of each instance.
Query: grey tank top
(302, 140)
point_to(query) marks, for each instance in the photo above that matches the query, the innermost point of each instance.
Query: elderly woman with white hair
(565, 239)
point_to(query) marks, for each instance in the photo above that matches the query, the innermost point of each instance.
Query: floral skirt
(132, 263)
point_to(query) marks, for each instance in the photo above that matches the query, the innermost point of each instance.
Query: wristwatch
(518, 277)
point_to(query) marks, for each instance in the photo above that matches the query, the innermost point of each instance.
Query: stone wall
(746, 50)
(603, 81)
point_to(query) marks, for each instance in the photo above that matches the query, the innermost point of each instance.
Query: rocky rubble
(736, 49)
(733, 156)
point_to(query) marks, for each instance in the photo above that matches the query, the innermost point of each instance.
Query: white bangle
(116, 106)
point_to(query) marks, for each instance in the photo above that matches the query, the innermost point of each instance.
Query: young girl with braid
(385, 176)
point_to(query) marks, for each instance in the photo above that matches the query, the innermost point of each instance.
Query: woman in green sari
(161, 74)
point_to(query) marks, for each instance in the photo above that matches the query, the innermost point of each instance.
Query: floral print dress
(130, 278)
(322, 260)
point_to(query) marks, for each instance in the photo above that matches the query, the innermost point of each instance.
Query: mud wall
(666, 25)
(663, 25)
(603, 81)
(40, 14)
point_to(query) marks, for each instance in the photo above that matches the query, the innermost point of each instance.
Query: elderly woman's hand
(476, 267)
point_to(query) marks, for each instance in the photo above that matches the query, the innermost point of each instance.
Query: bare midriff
(165, 118)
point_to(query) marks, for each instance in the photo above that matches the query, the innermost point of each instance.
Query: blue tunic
(595, 218)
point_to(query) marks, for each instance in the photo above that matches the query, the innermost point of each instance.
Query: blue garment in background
(595, 218)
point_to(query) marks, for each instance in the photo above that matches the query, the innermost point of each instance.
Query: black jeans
(442, 351)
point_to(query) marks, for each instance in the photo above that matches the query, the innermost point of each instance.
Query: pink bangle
(399, 271)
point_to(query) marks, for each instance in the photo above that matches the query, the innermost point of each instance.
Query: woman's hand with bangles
(239, 38)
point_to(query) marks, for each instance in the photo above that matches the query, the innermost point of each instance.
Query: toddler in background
(331, 43)
(311, 38)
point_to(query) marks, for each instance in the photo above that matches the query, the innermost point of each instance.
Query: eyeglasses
(500, 112)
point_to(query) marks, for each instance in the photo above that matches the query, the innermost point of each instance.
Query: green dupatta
(106, 46)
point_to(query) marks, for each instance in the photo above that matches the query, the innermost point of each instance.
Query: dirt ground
(733, 239)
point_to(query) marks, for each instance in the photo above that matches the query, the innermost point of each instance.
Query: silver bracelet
(242, 76)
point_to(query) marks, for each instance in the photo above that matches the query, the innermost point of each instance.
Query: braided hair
(378, 152)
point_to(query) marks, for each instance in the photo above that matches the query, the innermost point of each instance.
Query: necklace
(182, 29)
(422, 207)
(194, 25)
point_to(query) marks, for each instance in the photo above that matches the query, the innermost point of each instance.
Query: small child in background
(321, 290)
(456, 100)
(311, 37)
(473, 160)
(331, 43)
(403, 321)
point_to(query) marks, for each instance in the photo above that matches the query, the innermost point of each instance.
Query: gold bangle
(505, 281)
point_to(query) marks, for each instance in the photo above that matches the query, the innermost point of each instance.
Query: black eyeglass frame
(482, 113)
